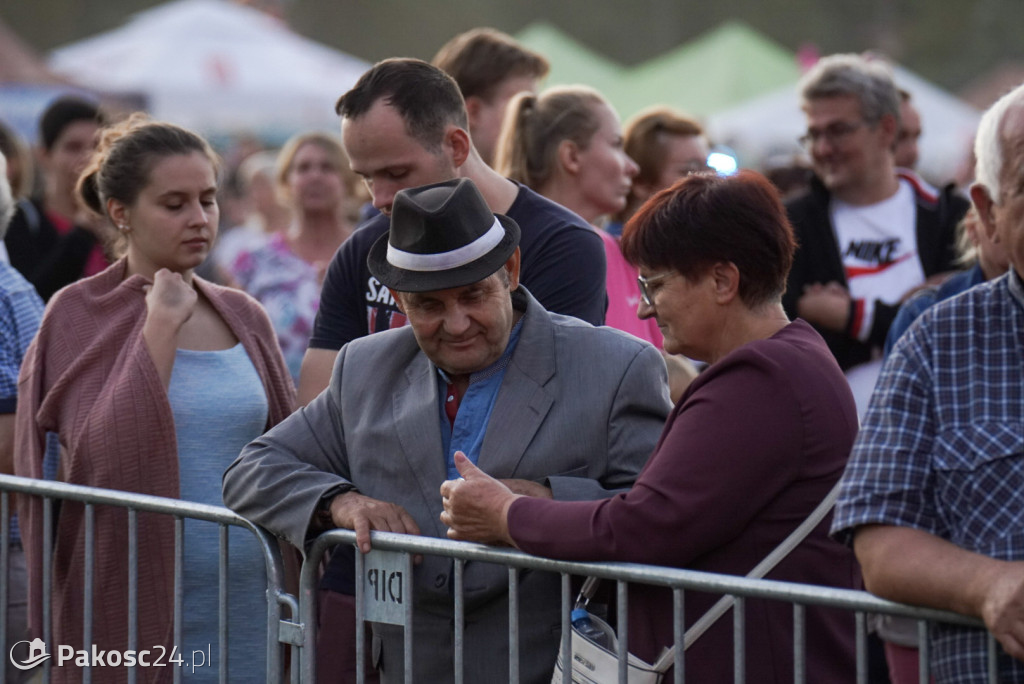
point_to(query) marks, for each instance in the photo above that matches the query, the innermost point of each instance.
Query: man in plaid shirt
(933, 495)
(21, 310)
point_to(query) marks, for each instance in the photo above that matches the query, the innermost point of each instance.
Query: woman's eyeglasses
(646, 292)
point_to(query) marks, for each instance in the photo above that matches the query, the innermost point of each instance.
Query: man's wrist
(322, 515)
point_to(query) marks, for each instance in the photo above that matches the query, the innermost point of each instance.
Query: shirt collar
(1016, 287)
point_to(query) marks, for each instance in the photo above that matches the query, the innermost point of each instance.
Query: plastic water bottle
(592, 630)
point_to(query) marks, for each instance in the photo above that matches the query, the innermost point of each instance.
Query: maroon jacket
(752, 447)
(88, 376)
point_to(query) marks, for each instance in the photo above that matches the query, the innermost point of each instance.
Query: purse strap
(722, 606)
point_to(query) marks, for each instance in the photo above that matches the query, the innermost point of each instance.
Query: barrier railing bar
(98, 495)
(658, 576)
(460, 621)
(799, 644)
(87, 607)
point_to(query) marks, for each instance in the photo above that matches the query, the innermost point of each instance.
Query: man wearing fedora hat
(547, 402)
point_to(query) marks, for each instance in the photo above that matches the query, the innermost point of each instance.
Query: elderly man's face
(905, 153)
(1008, 213)
(464, 329)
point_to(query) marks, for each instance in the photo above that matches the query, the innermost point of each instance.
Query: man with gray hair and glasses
(868, 236)
(933, 495)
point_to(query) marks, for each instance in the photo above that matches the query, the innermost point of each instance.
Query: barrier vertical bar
(678, 633)
(862, 647)
(799, 643)
(47, 582)
(133, 588)
(360, 618)
(407, 596)
(460, 621)
(5, 561)
(622, 608)
(739, 642)
(565, 650)
(179, 588)
(90, 559)
(222, 607)
(993, 661)
(513, 625)
(924, 665)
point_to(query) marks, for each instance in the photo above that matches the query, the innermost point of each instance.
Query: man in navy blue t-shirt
(404, 124)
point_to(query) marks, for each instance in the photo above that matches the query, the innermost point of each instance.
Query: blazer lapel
(417, 426)
(523, 401)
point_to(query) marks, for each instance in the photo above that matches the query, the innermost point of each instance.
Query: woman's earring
(124, 228)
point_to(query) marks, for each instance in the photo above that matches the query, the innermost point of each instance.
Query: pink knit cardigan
(88, 376)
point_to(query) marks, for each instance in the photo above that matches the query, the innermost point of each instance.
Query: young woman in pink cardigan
(153, 379)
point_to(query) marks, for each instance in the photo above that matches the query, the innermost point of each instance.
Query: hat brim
(404, 280)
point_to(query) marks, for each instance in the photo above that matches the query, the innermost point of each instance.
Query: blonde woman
(286, 272)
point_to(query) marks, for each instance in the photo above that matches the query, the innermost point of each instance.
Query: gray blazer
(580, 409)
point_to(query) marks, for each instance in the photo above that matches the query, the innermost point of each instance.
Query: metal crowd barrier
(394, 553)
(276, 596)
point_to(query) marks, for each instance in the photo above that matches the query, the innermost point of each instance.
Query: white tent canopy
(216, 67)
(769, 125)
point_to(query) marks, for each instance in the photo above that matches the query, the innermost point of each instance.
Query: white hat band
(446, 260)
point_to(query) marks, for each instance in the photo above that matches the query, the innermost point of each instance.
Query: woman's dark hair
(120, 166)
(63, 112)
(705, 219)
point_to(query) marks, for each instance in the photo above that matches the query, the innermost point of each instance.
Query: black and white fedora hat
(442, 236)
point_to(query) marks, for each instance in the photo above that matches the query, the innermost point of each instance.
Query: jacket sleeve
(638, 413)
(728, 450)
(278, 479)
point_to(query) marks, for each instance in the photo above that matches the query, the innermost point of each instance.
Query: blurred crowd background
(254, 73)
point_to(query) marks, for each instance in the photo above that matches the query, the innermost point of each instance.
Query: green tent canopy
(716, 70)
(719, 69)
(572, 62)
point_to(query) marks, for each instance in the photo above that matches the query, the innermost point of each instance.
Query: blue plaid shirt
(941, 448)
(21, 310)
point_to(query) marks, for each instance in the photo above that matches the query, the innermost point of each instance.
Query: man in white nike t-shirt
(868, 235)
